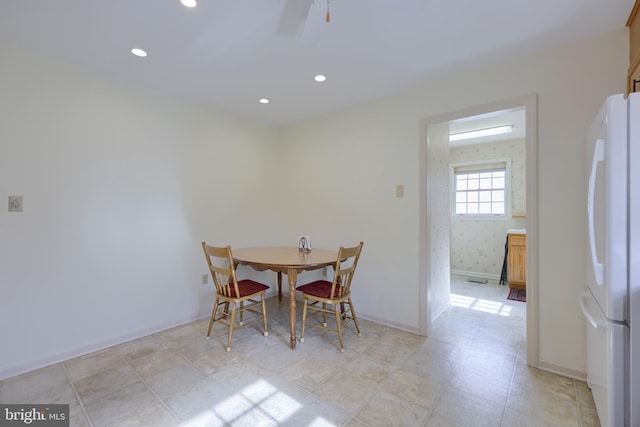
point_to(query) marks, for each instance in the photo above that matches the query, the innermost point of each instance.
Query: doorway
(435, 207)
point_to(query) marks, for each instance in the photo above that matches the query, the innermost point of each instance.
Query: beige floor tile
(347, 393)
(46, 385)
(139, 348)
(435, 368)
(514, 418)
(104, 382)
(588, 414)
(482, 384)
(387, 409)
(120, 404)
(275, 398)
(307, 372)
(437, 420)
(239, 373)
(544, 404)
(469, 410)
(175, 380)
(155, 362)
(156, 415)
(471, 371)
(215, 360)
(367, 369)
(403, 340)
(315, 412)
(413, 388)
(93, 363)
(211, 403)
(77, 417)
(532, 377)
(388, 354)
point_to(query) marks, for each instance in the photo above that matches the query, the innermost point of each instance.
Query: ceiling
(229, 54)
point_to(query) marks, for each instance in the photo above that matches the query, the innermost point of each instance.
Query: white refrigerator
(611, 300)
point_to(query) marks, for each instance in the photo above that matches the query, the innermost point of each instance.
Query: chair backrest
(344, 269)
(222, 269)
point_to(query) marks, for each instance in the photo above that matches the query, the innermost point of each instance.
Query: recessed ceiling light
(139, 52)
(189, 3)
(320, 78)
(263, 101)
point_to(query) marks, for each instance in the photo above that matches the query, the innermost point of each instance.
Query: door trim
(530, 102)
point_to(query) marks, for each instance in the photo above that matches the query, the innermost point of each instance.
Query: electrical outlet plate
(15, 203)
(205, 279)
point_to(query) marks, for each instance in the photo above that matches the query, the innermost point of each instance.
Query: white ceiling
(229, 53)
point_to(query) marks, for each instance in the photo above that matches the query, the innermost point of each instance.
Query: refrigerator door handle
(585, 311)
(598, 156)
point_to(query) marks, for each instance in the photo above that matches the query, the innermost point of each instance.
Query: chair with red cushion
(319, 294)
(231, 292)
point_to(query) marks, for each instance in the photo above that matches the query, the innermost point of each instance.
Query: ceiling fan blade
(293, 17)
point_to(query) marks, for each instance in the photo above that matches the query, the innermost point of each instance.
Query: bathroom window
(481, 189)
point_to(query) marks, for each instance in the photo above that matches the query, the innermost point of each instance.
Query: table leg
(279, 286)
(293, 275)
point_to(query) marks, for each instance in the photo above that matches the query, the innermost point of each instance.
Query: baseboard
(395, 325)
(562, 370)
(474, 274)
(441, 311)
(82, 350)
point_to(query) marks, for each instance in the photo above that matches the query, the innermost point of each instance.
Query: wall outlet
(205, 279)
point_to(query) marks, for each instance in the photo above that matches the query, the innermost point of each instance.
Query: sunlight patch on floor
(484, 305)
(273, 402)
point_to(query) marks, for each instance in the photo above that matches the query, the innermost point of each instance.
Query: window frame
(482, 166)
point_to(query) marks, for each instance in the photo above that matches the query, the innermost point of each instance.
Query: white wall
(355, 157)
(120, 187)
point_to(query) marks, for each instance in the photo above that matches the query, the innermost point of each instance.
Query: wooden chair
(230, 292)
(336, 293)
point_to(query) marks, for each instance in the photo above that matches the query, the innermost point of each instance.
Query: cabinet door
(633, 82)
(517, 261)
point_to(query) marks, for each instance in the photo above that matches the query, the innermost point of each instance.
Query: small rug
(517, 295)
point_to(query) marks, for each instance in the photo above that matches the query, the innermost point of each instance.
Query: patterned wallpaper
(477, 246)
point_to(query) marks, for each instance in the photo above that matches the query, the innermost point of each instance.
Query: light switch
(400, 190)
(15, 203)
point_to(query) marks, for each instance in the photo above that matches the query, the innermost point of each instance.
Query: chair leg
(304, 319)
(264, 314)
(233, 319)
(213, 318)
(339, 323)
(353, 314)
(324, 314)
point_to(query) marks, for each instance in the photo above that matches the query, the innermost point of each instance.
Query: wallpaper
(477, 246)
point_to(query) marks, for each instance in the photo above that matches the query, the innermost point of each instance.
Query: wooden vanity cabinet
(517, 260)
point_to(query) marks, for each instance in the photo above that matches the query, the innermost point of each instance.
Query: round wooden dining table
(290, 261)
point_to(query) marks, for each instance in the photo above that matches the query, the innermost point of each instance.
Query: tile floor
(470, 372)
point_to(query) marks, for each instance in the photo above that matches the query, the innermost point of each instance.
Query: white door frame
(530, 102)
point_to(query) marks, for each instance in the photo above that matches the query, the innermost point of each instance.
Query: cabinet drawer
(517, 239)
